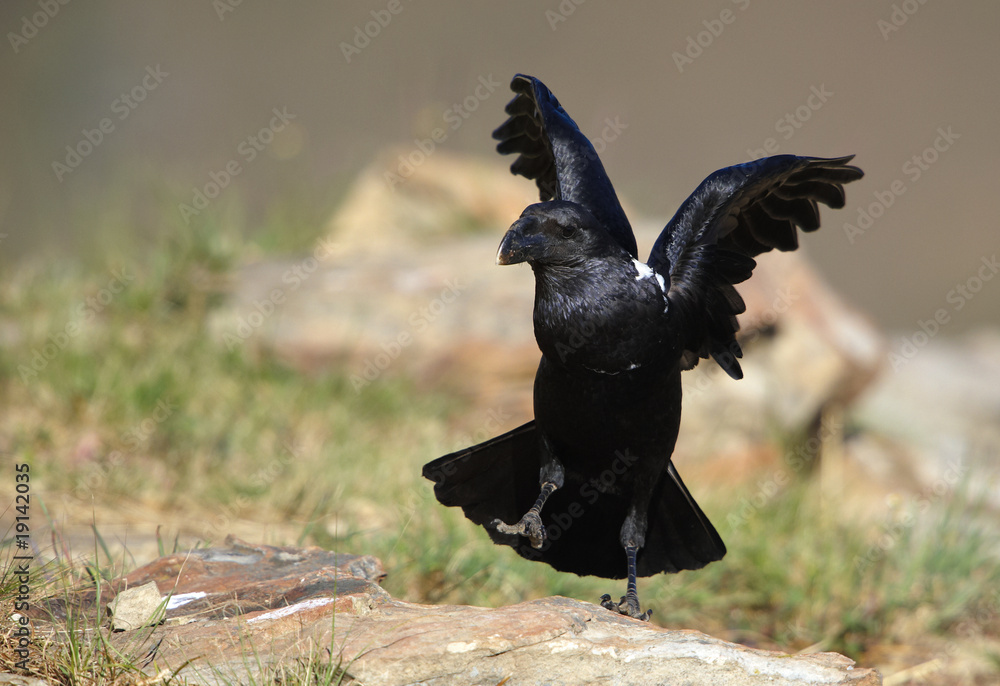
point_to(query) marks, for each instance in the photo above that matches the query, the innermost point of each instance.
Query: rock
(806, 352)
(134, 608)
(236, 579)
(931, 424)
(445, 196)
(411, 287)
(244, 613)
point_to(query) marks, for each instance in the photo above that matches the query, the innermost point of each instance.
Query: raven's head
(555, 234)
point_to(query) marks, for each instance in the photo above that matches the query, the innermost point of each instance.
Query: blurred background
(249, 288)
(892, 80)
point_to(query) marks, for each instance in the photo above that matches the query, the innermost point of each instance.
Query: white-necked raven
(591, 474)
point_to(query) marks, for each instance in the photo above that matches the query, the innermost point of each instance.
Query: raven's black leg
(633, 537)
(531, 523)
(631, 598)
(629, 604)
(551, 477)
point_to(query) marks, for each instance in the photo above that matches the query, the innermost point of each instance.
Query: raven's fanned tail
(679, 535)
(497, 479)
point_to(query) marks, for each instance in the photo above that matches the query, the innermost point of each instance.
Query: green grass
(145, 403)
(77, 650)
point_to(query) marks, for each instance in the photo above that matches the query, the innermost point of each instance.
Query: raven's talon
(642, 616)
(623, 607)
(530, 526)
(607, 604)
(633, 610)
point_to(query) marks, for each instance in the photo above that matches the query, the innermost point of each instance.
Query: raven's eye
(568, 231)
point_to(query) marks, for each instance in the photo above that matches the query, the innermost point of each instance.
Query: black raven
(591, 474)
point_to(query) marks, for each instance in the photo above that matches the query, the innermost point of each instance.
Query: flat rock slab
(377, 640)
(243, 613)
(214, 583)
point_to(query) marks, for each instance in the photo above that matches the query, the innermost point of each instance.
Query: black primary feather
(740, 212)
(558, 157)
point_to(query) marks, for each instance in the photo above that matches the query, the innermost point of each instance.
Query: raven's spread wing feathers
(558, 157)
(734, 215)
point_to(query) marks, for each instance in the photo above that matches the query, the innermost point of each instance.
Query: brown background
(890, 95)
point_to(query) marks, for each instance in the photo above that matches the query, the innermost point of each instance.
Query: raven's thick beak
(516, 245)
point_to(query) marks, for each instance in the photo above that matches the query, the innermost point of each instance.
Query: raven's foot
(626, 606)
(530, 526)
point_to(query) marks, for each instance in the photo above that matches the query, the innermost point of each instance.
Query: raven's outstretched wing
(558, 157)
(735, 214)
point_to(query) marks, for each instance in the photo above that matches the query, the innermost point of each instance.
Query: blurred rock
(407, 284)
(441, 198)
(806, 352)
(243, 613)
(932, 422)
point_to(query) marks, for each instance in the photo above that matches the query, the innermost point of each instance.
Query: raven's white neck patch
(643, 271)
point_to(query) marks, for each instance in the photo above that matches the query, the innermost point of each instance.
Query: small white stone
(137, 607)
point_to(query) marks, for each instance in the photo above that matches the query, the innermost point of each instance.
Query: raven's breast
(594, 419)
(614, 323)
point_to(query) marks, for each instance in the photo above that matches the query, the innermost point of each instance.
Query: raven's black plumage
(591, 476)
